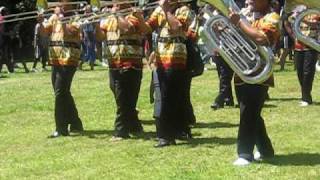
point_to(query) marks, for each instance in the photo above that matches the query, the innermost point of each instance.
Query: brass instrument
(96, 17)
(252, 63)
(313, 8)
(44, 7)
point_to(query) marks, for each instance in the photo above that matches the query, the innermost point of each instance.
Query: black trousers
(306, 68)
(65, 109)
(173, 111)
(252, 130)
(225, 74)
(42, 53)
(191, 118)
(125, 85)
(5, 58)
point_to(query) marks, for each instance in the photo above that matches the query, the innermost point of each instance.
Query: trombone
(96, 17)
(44, 8)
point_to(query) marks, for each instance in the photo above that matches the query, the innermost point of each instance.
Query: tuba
(313, 9)
(252, 63)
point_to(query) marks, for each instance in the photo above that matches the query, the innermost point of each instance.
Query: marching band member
(225, 74)
(172, 20)
(305, 57)
(251, 97)
(124, 50)
(40, 44)
(64, 55)
(88, 38)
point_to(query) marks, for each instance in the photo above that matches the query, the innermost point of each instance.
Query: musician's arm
(268, 32)
(253, 33)
(174, 23)
(288, 28)
(124, 25)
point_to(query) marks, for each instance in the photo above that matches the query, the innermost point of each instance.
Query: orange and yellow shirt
(171, 49)
(124, 49)
(64, 47)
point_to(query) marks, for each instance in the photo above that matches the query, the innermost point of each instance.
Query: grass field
(26, 119)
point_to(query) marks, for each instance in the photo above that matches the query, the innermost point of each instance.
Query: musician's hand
(165, 5)
(71, 29)
(115, 8)
(138, 13)
(234, 17)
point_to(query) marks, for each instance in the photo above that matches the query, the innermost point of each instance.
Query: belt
(65, 44)
(123, 42)
(171, 39)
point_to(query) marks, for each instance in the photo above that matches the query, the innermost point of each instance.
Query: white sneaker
(104, 64)
(304, 104)
(34, 70)
(257, 156)
(241, 162)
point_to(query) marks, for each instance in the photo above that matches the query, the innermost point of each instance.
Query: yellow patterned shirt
(124, 50)
(64, 47)
(269, 26)
(171, 50)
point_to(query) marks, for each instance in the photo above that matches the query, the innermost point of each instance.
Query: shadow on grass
(269, 106)
(3, 76)
(215, 125)
(97, 133)
(284, 99)
(210, 141)
(147, 122)
(295, 159)
(108, 133)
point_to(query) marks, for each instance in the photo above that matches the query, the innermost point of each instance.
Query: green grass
(26, 119)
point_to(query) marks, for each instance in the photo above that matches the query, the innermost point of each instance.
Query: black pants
(155, 94)
(191, 119)
(42, 53)
(125, 85)
(225, 74)
(5, 58)
(65, 109)
(306, 68)
(172, 120)
(252, 130)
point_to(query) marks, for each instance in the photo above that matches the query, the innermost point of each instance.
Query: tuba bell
(313, 8)
(252, 63)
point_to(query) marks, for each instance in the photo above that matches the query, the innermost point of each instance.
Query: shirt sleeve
(270, 27)
(104, 24)
(49, 24)
(185, 16)
(153, 20)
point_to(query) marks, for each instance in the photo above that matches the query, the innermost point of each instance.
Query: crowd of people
(167, 37)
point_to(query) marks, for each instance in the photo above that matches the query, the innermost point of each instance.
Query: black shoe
(216, 106)
(229, 103)
(136, 130)
(184, 136)
(57, 134)
(76, 128)
(164, 142)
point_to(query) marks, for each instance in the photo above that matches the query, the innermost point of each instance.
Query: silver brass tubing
(50, 4)
(25, 13)
(110, 3)
(96, 16)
